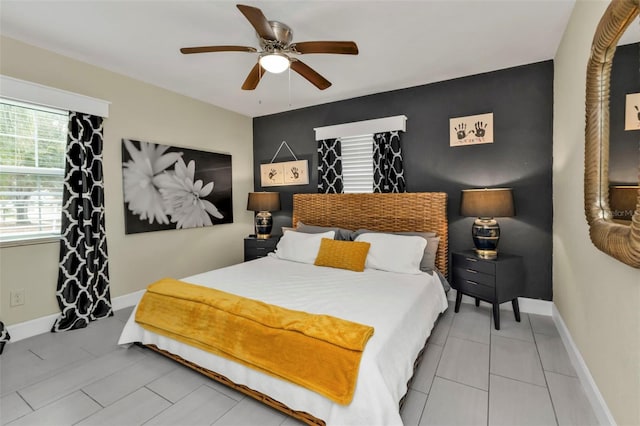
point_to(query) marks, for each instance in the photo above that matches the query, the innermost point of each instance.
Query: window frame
(41, 96)
(40, 236)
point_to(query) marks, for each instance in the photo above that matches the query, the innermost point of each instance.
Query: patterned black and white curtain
(388, 171)
(4, 336)
(329, 166)
(83, 276)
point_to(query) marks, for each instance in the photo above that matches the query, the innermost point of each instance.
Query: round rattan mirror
(617, 240)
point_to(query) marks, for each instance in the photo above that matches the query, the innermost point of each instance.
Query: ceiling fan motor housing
(283, 34)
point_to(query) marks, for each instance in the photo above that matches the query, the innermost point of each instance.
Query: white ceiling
(401, 43)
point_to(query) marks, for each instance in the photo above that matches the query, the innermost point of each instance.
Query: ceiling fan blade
(339, 47)
(252, 80)
(307, 72)
(207, 49)
(258, 20)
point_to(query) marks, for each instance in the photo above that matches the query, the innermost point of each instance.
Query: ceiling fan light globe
(274, 63)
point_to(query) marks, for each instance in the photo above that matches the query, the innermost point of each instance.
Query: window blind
(357, 163)
(32, 157)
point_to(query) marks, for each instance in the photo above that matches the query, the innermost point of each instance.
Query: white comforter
(401, 307)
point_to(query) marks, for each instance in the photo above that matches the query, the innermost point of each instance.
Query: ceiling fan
(278, 52)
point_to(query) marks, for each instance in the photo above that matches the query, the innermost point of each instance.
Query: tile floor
(471, 374)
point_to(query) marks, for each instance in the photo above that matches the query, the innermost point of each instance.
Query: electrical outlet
(17, 298)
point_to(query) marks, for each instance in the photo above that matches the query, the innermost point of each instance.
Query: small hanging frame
(286, 173)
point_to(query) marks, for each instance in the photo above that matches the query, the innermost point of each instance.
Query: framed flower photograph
(167, 187)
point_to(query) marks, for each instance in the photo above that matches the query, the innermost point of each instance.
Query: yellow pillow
(349, 255)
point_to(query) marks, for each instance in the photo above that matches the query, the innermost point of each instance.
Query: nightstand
(495, 281)
(256, 247)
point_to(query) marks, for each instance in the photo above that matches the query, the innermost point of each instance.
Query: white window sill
(30, 241)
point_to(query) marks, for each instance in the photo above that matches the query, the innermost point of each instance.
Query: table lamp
(264, 203)
(485, 205)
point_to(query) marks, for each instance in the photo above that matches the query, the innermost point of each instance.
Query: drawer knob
(472, 282)
(470, 259)
(472, 271)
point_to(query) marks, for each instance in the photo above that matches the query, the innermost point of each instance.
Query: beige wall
(598, 297)
(144, 112)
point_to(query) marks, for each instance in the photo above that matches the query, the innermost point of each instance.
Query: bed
(402, 308)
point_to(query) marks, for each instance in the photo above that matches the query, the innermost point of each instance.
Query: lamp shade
(263, 201)
(622, 200)
(488, 202)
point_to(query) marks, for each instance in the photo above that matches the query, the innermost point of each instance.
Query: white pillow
(301, 247)
(394, 253)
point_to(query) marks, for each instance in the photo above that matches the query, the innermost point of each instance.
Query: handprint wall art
(471, 130)
(287, 173)
(632, 112)
(167, 187)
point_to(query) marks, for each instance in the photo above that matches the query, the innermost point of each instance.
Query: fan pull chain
(260, 79)
(289, 86)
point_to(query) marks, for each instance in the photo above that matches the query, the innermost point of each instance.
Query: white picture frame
(284, 174)
(471, 130)
(632, 112)
(296, 172)
(271, 174)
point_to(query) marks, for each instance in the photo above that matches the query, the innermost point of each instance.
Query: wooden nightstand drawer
(255, 248)
(475, 276)
(257, 251)
(473, 288)
(467, 262)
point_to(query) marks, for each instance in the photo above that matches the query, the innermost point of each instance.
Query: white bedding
(401, 307)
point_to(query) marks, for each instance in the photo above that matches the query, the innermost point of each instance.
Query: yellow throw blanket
(319, 352)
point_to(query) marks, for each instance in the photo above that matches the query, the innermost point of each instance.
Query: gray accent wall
(521, 100)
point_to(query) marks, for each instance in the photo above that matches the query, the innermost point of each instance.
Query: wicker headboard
(414, 211)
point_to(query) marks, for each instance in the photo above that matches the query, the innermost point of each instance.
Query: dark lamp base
(264, 224)
(487, 254)
(486, 235)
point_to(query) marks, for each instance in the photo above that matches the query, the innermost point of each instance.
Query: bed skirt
(265, 399)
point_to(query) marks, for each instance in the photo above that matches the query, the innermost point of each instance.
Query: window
(357, 163)
(32, 155)
(356, 141)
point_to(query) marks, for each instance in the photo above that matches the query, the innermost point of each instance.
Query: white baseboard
(594, 396)
(126, 300)
(530, 306)
(24, 330)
